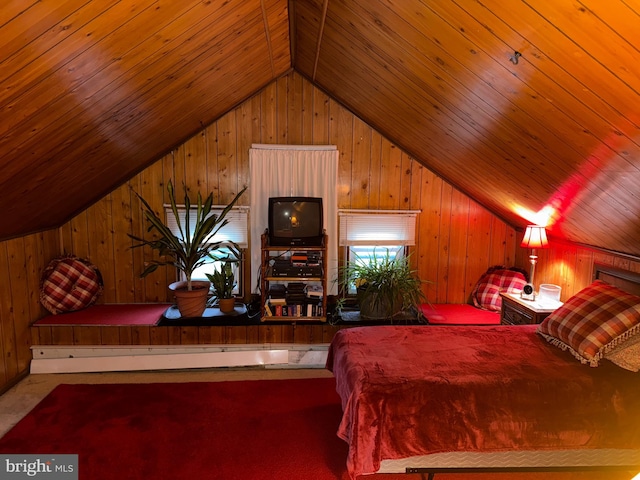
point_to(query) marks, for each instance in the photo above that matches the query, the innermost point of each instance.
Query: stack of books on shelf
(314, 310)
(314, 300)
(296, 299)
(278, 306)
(276, 299)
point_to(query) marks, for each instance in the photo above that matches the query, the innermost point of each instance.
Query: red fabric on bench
(459, 314)
(110, 314)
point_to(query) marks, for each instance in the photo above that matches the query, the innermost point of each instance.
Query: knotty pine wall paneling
(570, 266)
(22, 261)
(150, 184)
(457, 238)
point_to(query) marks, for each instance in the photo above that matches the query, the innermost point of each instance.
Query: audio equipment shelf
(293, 282)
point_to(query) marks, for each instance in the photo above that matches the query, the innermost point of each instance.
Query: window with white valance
(236, 230)
(378, 227)
(374, 234)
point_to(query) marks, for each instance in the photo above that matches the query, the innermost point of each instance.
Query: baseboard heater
(78, 359)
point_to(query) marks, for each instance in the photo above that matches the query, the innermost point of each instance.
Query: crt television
(295, 221)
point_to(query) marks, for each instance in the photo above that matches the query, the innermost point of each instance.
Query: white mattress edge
(516, 459)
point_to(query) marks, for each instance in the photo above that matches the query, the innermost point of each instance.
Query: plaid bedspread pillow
(593, 322)
(69, 283)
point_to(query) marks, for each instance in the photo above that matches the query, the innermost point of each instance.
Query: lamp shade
(535, 236)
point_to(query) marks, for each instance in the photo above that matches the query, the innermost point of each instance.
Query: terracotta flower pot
(191, 303)
(227, 305)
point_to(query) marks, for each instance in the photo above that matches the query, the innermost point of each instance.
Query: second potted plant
(387, 287)
(223, 282)
(191, 248)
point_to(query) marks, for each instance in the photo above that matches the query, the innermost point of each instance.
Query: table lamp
(535, 236)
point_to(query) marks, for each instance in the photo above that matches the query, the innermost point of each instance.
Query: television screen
(295, 221)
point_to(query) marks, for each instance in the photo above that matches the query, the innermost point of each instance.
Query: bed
(441, 399)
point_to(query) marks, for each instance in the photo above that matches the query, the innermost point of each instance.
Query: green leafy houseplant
(387, 287)
(223, 282)
(194, 245)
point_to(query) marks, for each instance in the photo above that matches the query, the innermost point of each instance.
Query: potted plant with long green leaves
(191, 248)
(387, 286)
(223, 280)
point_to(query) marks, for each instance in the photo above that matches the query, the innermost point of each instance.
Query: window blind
(377, 228)
(236, 230)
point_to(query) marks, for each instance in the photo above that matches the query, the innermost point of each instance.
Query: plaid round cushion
(69, 283)
(486, 293)
(593, 322)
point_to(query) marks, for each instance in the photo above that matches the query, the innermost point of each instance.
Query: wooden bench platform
(136, 324)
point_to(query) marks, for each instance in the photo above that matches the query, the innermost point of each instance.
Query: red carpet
(251, 430)
(110, 314)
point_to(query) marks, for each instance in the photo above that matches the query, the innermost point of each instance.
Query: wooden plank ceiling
(559, 129)
(94, 91)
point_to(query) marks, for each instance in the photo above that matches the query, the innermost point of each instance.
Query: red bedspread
(459, 314)
(415, 390)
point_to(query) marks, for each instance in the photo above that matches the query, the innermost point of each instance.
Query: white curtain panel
(294, 170)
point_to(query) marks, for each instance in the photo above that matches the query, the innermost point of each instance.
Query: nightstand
(516, 311)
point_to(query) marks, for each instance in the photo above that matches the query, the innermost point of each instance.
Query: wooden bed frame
(531, 461)
(623, 279)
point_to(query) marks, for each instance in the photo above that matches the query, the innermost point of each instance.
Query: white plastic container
(549, 292)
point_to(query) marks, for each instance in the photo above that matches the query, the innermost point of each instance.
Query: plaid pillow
(593, 321)
(68, 284)
(486, 293)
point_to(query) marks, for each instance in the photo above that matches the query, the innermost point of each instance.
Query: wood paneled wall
(571, 266)
(22, 261)
(457, 238)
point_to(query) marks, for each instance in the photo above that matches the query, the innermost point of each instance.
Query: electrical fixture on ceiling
(515, 57)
